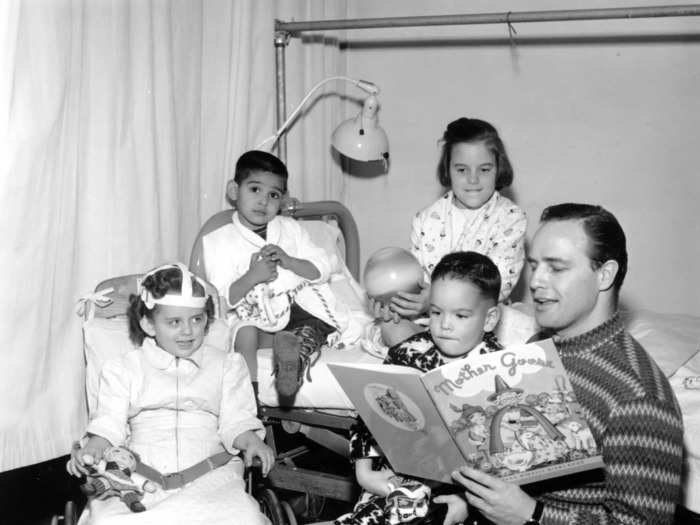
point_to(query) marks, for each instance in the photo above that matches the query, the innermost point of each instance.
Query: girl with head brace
(185, 408)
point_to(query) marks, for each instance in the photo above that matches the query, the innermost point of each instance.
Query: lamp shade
(362, 138)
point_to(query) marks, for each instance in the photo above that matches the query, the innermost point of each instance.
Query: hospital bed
(322, 414)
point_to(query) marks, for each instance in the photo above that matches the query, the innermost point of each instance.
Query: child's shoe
(287, 365)
(293, 354)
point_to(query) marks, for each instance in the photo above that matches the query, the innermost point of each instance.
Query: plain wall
(604, 112)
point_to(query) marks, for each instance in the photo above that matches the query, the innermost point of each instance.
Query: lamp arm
(365, 85)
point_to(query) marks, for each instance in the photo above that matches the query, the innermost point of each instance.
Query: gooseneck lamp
(360, 138)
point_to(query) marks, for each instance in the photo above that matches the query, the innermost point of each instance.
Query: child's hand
(254, 447)
(411, 305)
(276, 254)
(81, 459)
(262, 269)
(456, 508)
(261, 451)
(382, 311)
(376, 481)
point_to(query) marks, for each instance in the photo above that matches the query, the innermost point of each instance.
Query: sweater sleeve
(642, 450)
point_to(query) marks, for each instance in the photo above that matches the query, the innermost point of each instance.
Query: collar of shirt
(273, 232)
(163, 360)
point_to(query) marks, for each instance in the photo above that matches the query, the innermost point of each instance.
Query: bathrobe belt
(175, 480)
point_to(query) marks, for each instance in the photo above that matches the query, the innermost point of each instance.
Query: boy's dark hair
(606, 238)
(471, 267)
(159, 284)
(474, 130)
(256, 160)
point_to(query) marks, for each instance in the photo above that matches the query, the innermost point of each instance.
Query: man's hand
(456, 508)
(501, 502)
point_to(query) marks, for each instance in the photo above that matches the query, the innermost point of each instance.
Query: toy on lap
(111, 477)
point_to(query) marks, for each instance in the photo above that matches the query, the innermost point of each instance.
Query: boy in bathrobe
(273, 278)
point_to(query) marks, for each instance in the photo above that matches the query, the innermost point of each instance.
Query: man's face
(565, 287)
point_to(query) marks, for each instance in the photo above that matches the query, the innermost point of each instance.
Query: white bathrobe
(227, 253)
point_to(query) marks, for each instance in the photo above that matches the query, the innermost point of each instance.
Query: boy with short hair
(273, 277)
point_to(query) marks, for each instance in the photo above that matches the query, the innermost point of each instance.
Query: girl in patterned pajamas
(471, 216)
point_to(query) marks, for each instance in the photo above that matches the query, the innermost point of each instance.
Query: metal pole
(281, 41)
(294, 28)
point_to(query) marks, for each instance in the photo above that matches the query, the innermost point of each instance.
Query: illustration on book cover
(394, 407)
(526, 418)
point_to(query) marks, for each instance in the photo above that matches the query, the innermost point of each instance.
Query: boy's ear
(232, 191)
(606, 274)
(147, 326)
(493, 315)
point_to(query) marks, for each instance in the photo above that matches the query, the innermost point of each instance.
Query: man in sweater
(578, 261)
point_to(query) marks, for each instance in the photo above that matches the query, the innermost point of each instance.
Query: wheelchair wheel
(70, 514)
(289, 513)
(271, 507)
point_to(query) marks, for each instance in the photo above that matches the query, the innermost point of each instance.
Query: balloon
(391, 270)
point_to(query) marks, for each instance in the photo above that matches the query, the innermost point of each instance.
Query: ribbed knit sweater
(635, 420)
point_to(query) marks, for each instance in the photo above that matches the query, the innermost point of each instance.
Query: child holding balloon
(471, 215)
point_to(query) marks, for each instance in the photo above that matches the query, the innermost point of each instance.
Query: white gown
(175, 413)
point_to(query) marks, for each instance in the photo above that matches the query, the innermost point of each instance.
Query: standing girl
(471, 216)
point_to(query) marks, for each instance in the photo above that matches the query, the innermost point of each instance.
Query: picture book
(510, 413)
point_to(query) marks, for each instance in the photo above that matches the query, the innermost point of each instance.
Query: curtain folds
(120, 122)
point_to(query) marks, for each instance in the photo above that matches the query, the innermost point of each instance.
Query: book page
(514, 413)
(401, 416)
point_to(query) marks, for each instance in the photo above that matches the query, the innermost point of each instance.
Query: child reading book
(463, 312)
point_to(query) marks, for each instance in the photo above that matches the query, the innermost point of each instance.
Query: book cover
(511, 413)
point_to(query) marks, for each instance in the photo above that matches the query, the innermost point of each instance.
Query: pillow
(515, 326)
(671, 339)
(328, 236)
(346, 289)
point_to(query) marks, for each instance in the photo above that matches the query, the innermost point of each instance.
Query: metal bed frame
(284, 31)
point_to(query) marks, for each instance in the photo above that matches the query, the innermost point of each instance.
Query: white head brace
(185, 298)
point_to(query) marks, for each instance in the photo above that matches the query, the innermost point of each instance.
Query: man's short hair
(606, 239)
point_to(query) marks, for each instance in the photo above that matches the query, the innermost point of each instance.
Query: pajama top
(496, 230)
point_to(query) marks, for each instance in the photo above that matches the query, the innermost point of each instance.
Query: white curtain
(120, 122)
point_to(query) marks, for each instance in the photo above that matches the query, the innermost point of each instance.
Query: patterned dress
(496, 230)
(418, 351)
